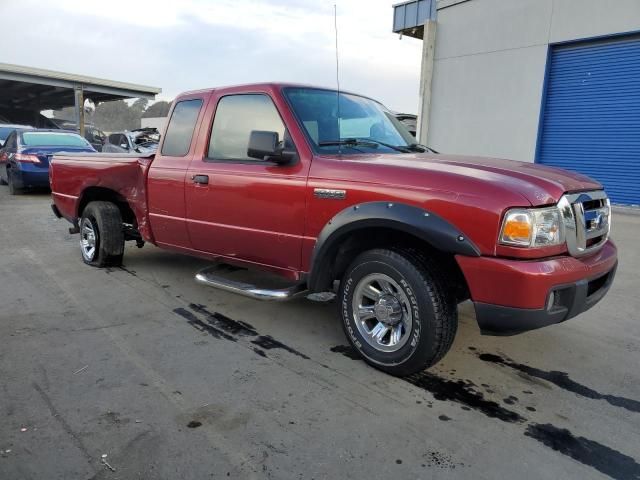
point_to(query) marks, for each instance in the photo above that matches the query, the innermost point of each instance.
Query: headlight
(536, 227)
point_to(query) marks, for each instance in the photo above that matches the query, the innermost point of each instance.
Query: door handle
(201, 179)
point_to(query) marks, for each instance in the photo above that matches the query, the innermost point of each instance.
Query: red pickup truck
(327, 188)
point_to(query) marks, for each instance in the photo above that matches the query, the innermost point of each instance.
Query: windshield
(53, 139)
(331, 129)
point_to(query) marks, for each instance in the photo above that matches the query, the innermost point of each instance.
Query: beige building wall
(489, 67)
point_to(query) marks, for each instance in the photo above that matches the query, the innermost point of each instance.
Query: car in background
(6, 129)
(25, 156)
(96, 137)
(143, 140)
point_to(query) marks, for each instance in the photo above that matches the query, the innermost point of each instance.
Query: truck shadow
(34, 192)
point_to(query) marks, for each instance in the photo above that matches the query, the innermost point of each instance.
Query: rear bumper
(514, 296)
(29, 178)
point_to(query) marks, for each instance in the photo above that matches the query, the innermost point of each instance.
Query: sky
(190, 44)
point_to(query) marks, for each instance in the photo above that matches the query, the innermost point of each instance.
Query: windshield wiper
(372, 143)
(399, 148)
(362, 142)
(349, 142)
(418, 147)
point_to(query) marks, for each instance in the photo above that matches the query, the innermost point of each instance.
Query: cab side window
(236, 116)
(177, 140)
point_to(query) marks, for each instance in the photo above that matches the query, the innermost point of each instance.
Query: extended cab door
(166, 178)
(240, 207)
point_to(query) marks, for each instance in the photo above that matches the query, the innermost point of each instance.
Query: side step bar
(210, 278)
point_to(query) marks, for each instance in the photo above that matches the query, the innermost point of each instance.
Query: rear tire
(101, 235)
(396, 310)
(13, 190)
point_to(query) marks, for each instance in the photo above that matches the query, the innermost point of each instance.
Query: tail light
(26, 158)
(4, 157)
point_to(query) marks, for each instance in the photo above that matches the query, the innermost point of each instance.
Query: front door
(241, 207)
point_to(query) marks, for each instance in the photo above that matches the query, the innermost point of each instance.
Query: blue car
(25, 156)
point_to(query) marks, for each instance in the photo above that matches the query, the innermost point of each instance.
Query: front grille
(593, 204)
(594, 241)
(587, 221)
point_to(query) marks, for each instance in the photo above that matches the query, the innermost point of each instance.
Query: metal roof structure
(409, 17)
(37, 89)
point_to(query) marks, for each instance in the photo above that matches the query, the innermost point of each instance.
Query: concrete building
(550, 81)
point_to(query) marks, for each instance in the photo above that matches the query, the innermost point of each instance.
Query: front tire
(101, 235)
(396, 311)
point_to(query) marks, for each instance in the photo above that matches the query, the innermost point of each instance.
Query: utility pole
(79, 106)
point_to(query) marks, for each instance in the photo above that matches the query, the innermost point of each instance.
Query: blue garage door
(591, 114)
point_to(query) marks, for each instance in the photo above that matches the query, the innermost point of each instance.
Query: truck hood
(538, 184)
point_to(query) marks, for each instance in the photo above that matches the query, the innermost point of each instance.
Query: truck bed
(74, 176)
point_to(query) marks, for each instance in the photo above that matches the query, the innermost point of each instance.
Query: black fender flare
(420, 223)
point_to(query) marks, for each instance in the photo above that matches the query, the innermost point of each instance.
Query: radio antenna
(335, 26)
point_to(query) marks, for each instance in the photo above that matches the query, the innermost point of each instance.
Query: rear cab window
(177, 139)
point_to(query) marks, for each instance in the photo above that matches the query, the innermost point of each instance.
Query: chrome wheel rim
(87, 239)
(382, 312)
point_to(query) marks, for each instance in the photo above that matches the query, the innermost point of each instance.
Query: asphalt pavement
(174, 380)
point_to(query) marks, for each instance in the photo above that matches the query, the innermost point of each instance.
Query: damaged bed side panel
(101, 176)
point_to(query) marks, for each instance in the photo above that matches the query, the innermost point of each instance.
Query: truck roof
(261, 86)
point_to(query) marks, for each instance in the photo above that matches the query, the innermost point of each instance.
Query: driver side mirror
(264, 146)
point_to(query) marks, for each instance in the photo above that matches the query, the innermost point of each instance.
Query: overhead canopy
(36, 89)
(409, 17)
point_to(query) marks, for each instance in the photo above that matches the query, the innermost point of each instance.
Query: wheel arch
(92, 194)
(386, 224)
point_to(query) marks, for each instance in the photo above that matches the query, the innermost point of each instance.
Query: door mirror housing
(265, 146)
(262, 144)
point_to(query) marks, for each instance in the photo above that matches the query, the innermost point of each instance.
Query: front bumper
(514, 296)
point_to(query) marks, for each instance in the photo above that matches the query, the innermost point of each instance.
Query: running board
(210, 277)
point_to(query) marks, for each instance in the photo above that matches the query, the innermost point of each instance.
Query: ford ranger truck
(327, 188)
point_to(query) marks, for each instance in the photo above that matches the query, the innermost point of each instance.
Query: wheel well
(337, 259)
(93, 194)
